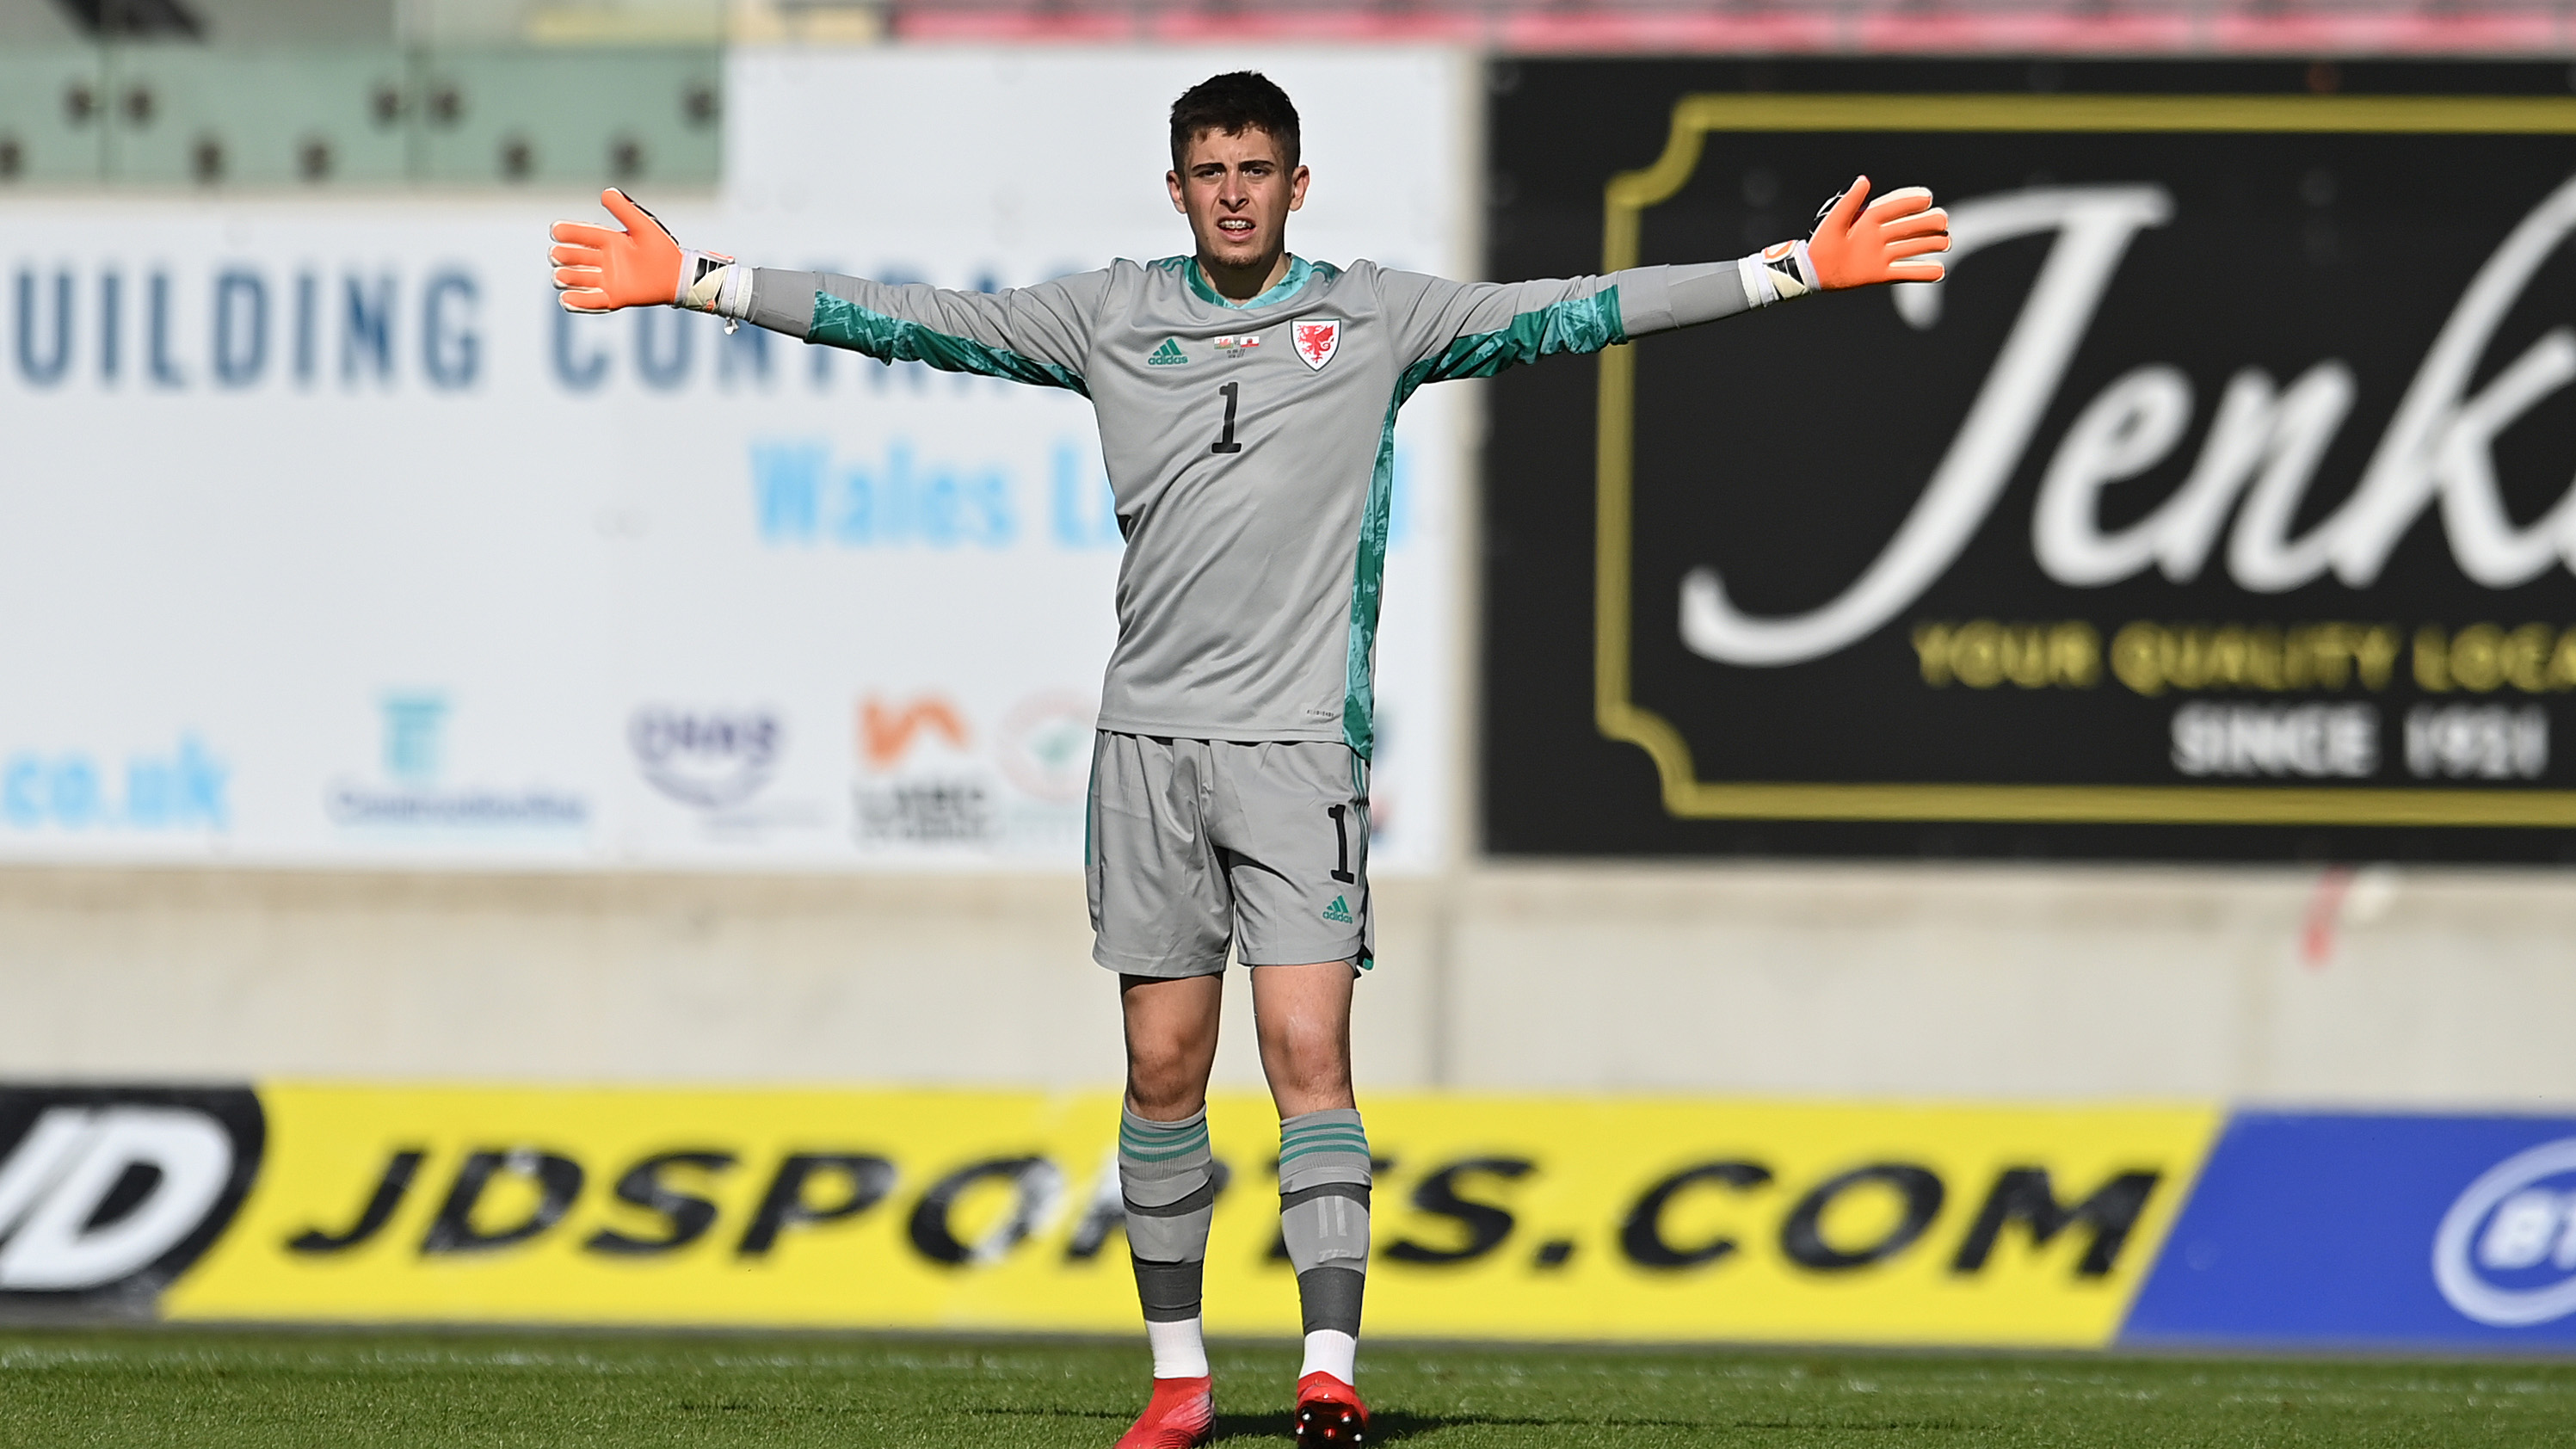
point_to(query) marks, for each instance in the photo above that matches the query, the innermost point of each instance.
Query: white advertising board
(326, 539)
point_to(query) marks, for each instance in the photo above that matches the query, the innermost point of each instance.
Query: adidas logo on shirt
(1168, 355)
(1339, 910)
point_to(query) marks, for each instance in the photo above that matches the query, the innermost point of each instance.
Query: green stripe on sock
(1162, 1146)
(1295, 1152)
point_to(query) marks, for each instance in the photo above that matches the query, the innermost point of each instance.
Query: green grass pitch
(206, 1389)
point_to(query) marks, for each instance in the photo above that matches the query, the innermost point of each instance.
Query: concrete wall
(2427, 987)
(2277, 985)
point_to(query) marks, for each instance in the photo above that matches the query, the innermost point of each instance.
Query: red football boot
(1329, 1412)
(1181, 1415)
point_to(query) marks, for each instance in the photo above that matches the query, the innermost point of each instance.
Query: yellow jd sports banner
(1495, 1216)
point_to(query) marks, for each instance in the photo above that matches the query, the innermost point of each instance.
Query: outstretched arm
(1035, 334)
(1477, 329)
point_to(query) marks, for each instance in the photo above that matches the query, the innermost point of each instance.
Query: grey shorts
(1195, 845)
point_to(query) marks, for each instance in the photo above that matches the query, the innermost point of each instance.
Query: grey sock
(1324, 1213)
(1166, 1174)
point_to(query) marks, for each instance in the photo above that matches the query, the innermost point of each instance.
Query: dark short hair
(1232, 104)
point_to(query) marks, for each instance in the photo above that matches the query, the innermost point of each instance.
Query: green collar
(1298, 272)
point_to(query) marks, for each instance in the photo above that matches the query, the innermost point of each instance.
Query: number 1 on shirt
(1227, 444)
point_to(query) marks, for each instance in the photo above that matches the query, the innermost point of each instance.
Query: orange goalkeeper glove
(604, 268)
(1859, 243)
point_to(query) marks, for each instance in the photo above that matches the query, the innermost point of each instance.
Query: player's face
(1237, 195)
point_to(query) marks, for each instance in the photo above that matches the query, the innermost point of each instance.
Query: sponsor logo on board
(2505, 1253)
(713, 759)
(106, 1194)
(1548, 1217)
(413, 794)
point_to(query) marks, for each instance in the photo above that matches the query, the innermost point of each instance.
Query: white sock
(1331, 1351)
(1179, 1350)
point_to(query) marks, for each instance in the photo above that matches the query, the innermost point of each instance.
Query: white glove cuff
(700, 274)
(1776, 273)
(726, 291)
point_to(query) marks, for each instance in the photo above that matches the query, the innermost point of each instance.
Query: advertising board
(2324, 1231)
(2165, 526)
(326, 539)
(1509, 1217)
(1535, 1217)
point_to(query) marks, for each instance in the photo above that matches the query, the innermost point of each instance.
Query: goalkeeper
(1246, 401)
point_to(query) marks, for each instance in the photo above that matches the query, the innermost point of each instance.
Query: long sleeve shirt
(1250, 445)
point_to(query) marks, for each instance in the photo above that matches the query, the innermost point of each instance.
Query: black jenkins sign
(2219, 503)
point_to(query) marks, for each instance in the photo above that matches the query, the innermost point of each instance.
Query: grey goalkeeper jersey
(1251, 446)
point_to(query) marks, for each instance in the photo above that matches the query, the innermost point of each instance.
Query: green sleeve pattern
(1584, 324)
(841, 323)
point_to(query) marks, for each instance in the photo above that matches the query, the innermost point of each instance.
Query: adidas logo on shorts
(1339, 910)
